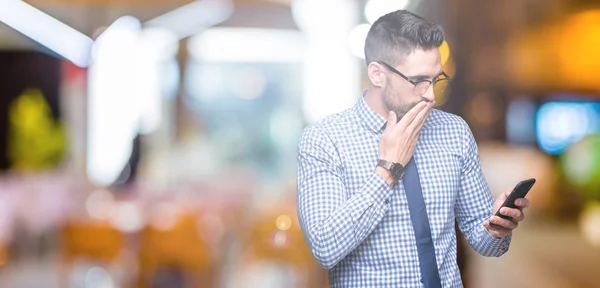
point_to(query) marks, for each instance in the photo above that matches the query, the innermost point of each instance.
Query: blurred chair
(276, 250)
(89, 240)
(176, 253)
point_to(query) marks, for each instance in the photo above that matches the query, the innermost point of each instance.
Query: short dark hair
(395, 35)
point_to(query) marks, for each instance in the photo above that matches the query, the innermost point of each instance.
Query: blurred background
(152, 143)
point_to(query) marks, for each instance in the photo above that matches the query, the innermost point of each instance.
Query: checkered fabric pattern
(359, 227)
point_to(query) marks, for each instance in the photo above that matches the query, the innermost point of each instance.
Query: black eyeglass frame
(416, 83)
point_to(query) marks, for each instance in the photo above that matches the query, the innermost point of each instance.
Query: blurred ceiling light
(316, 14)
(46, 30)
(377, 8)
(249, 45)
(159, 43)
(113, 115)
(125, 28)
(327, 26)
(357, 38)
(191, 18)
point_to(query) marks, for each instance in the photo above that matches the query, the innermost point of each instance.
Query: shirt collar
(370, 118)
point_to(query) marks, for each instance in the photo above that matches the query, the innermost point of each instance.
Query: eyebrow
(424, 77)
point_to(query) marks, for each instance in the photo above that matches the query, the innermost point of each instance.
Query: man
(380, 185)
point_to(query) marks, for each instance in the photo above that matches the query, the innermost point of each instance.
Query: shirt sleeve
(333, 224)
(475, 202)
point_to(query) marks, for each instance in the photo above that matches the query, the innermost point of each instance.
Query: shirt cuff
(493, 246)
(379, 190)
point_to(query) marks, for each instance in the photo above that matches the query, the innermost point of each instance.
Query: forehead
(421, 62)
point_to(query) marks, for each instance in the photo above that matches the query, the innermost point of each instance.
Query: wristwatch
(396, 169)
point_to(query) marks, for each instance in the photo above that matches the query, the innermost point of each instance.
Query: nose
(429, 95)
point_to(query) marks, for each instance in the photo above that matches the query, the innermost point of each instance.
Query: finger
(507, 192)
(420, 118)
(506, 223)
(513, 213)
(409, 117)
(423, 119)
(522, 203)
(391, 122)
(503, 196)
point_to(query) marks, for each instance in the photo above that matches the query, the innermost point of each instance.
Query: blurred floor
(542, 254)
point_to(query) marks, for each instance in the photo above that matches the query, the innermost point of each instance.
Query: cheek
(406, 89)
(400, 92)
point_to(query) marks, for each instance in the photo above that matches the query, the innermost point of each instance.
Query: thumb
(500, 200)
(391, 121)
(506, 193)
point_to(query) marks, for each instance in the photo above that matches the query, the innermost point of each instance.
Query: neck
(374, 99)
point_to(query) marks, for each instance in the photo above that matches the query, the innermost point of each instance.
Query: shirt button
(421, 280)
(387, 201)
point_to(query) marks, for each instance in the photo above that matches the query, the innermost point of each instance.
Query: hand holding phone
(520, 191)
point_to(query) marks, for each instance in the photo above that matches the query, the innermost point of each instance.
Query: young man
(380, 185)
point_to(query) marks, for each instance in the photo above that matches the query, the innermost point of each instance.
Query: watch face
(397, 171)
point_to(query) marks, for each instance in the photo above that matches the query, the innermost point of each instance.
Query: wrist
(386, 175)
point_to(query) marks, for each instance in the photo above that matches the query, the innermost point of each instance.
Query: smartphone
(520, 191)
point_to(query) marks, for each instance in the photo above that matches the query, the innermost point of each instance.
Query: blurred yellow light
(569, 46)
(577, 50)
(449, 67)
(444, 52)
(442, 97)
(283, 222)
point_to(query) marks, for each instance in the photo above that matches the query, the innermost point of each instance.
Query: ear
(376, 75)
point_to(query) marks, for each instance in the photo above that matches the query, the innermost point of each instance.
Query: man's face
(398, 94)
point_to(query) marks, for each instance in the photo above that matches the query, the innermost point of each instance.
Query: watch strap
(387, 165)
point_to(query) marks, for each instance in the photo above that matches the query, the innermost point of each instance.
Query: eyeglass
(440, 85)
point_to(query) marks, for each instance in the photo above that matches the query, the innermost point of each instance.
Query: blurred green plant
(581, 166)
(35, 140)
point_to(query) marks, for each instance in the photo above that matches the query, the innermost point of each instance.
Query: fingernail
(503, 211)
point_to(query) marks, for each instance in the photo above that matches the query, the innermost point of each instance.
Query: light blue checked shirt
(359, 227)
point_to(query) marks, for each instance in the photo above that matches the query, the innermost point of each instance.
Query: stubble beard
(401, 109)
